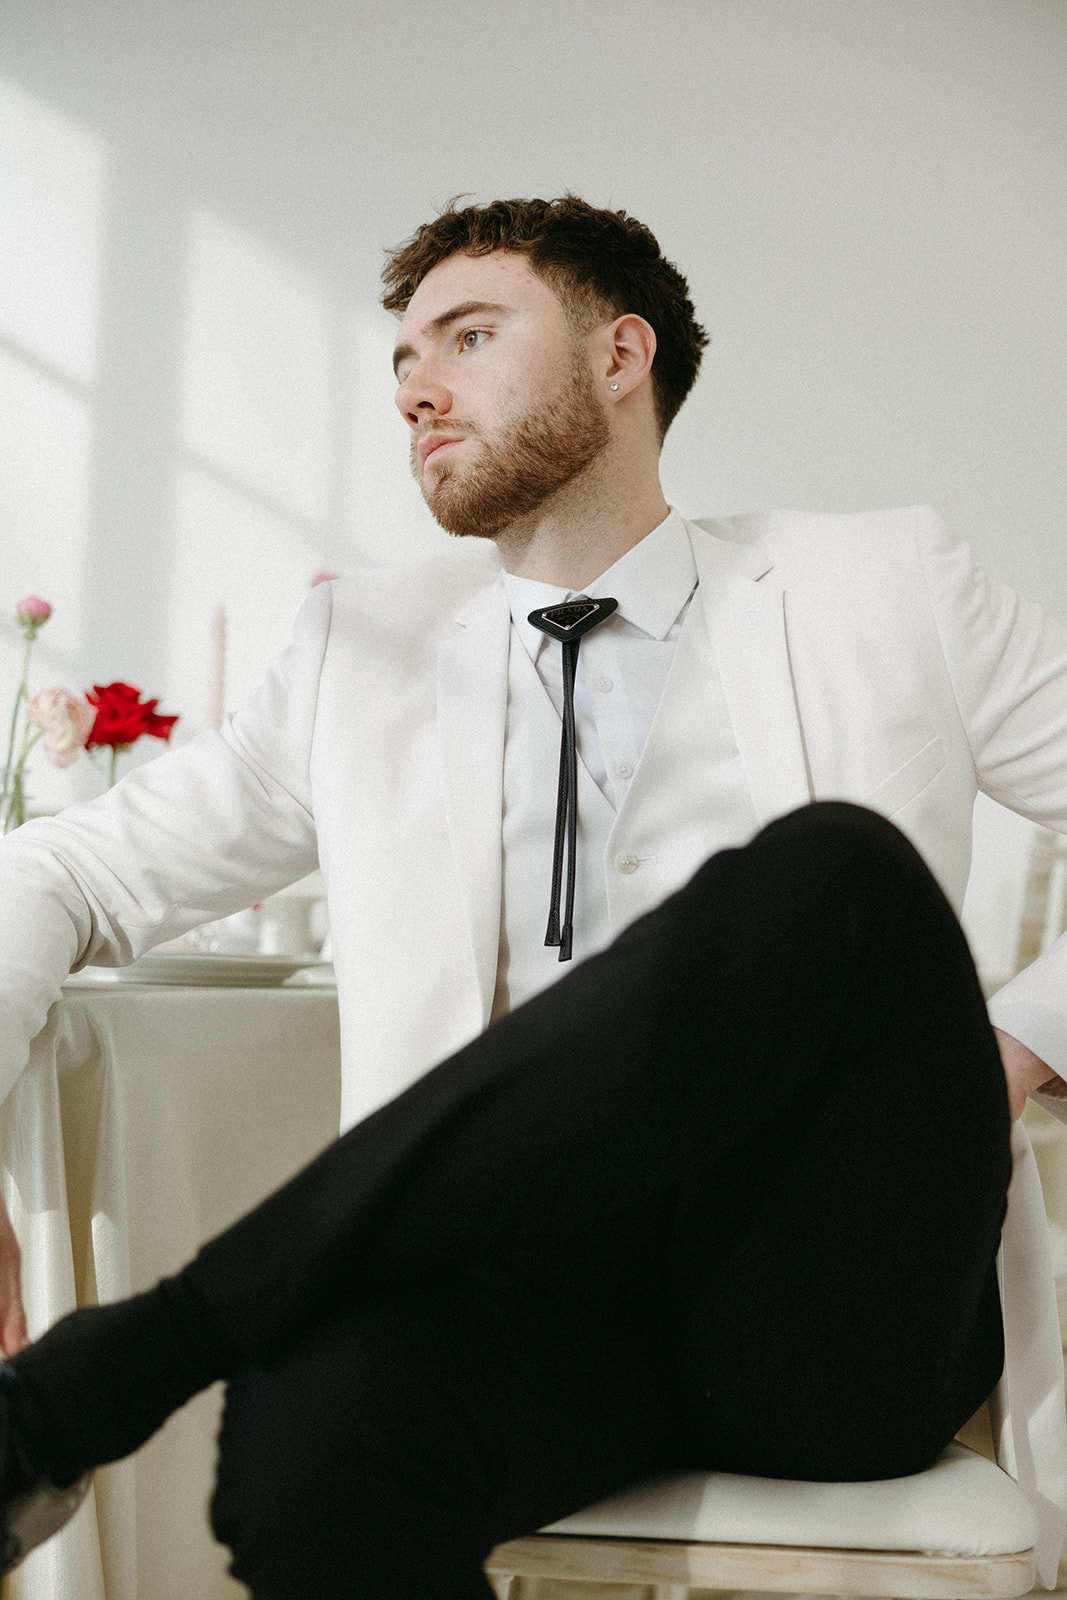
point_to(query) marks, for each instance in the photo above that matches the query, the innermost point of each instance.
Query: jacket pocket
(909, 780)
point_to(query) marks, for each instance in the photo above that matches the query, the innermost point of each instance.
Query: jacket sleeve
(1008, 664)
(194, 835)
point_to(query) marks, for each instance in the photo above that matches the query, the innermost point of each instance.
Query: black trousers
(728, 1195)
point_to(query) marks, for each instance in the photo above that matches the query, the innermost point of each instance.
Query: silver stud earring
(613, 386)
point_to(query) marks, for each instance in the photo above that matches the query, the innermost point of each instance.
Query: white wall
(868, 196)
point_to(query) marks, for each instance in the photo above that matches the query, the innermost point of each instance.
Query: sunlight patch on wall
(44, 475)
(255, 396)
(52, 181)
(291, 458)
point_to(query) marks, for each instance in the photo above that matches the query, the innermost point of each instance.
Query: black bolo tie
(568, 623)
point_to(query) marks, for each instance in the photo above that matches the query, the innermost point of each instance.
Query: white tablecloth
(147, 1120)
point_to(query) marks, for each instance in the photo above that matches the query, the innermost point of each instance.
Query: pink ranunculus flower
(66, 722)
(33, 611)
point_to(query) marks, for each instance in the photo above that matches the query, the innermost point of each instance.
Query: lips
(431, 444)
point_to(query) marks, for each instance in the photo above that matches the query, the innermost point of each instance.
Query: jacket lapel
(745, 613)
(472, 694)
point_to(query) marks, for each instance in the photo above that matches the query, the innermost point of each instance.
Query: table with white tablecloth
(148, 1119)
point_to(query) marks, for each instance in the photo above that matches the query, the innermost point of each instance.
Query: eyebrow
(466, 308)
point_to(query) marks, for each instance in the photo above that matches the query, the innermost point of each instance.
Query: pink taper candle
(217, 686)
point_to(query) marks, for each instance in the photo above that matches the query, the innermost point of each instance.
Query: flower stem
(16, 811)
(12, 799)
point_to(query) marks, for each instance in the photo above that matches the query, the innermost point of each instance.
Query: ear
(626, 350)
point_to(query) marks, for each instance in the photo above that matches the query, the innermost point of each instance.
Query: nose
(422, 394)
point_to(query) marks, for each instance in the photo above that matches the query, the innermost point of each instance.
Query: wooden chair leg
(662, 1591)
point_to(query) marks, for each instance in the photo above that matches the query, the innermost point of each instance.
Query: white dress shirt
(623, 662)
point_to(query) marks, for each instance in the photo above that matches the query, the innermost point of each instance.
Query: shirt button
(623, 770)
(626, 862)
(605, 685)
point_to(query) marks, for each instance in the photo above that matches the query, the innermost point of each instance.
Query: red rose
(122, 717)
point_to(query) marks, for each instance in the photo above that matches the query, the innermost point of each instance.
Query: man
(731, 1193)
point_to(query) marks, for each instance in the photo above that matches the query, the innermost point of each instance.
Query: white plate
(196, 968)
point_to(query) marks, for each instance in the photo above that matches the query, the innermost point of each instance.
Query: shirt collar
(651, 582)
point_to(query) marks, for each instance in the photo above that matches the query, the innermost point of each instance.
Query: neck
(583, 530)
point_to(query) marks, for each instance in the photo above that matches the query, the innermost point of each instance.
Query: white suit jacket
(861, 657)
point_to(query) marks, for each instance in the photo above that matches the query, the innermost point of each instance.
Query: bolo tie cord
(569, 623)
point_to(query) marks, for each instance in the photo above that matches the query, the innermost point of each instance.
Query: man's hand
(1026, 1073)
(12, 1316)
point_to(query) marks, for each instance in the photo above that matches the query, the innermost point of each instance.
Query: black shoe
(32, 1508)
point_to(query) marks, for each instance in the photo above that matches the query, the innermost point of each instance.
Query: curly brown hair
(600, 264)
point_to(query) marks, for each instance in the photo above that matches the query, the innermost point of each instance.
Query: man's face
(497, 389)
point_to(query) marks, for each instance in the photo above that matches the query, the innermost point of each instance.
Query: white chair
(1043, 914)
(960, 1529)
